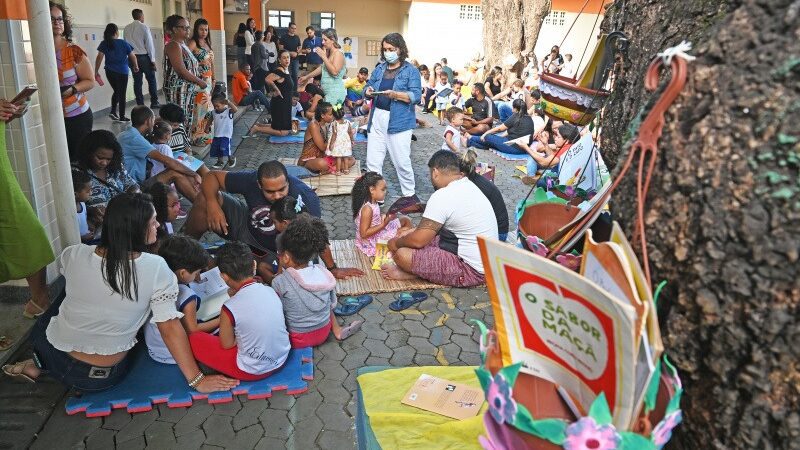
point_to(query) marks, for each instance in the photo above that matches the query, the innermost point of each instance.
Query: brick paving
(436, 332)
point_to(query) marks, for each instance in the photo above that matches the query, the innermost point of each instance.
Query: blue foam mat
(298, 139)
(150, 383)
(510, 156)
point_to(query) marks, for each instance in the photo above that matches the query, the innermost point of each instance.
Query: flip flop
(16, 370)
(33, 315)
(5, 343)
(352, 305)
(405, 300)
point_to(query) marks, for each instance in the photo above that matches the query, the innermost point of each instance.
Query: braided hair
(360, 193)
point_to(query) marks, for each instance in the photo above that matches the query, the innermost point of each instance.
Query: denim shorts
(62, 367)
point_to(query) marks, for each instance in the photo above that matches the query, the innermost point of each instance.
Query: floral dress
(341, 145)
(180, 91)
(203, 117)
(367, 245)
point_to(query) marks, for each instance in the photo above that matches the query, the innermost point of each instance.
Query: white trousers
(399, 146)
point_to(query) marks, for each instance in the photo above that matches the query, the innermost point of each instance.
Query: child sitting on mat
(308, 291)
(82, 187)
(371, 226)
(253, 341)
(186, 258)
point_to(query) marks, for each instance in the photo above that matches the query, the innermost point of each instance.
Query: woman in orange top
(75, 76)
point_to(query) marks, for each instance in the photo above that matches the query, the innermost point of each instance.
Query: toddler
(159, 137)
(223, 131)
(82, 187)
(456, 99)
(253, 341)
(340, 144)
(441, 101)
(453, 138)
(308, 291)
(186, 258)
(297, 107)
(371, 226)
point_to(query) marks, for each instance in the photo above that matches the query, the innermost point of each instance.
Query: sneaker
(231, 162)
(413, 137)
(114, 117)
(219, 164)
(182, 214)
(124, 119)
(407, 205)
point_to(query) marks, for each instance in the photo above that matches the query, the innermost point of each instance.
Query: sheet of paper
(188, 161)
(210, 284)
(437, 395)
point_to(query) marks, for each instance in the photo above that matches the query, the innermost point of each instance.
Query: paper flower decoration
(536, 245)
(501, 403)
(586, 434)
(663, 431)
(570, 261)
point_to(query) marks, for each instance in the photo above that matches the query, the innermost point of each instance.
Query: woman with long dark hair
(249, 39)
(118, 53)
(181, 72)
(200, 46)
(332, 69)
(112, 289)
(74, 77)
(239, 42)
(392, 117)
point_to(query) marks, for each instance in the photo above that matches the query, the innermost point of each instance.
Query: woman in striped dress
(75, 76)
(200, 45)
(181, 73)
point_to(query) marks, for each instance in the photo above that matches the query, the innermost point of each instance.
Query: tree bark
(500, 16)
(724, 210)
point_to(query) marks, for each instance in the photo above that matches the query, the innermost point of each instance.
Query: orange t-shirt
(240, 86)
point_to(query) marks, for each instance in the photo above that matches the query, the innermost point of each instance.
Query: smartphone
(25, 95)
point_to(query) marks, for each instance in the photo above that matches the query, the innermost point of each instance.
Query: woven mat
(346, 254)
(325, 185)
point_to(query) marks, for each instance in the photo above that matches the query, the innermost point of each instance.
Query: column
(255, 13)
(212, 12)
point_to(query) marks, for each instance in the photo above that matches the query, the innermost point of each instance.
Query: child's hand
(389, 217)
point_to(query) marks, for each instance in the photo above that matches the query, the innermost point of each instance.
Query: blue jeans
(250, 98)
(64, 368)
(146, 70)
(532, 166)
(496, 142)
(504, 109)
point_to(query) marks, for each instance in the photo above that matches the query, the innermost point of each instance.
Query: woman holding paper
(84, 338)
(392, 118)
(519, 126)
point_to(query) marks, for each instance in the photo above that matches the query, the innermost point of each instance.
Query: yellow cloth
(523, 169)
(396, 425)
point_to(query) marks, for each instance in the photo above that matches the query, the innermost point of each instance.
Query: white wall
(584, 31)
(435, 31)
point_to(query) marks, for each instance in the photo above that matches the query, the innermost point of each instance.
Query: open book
(213, 292)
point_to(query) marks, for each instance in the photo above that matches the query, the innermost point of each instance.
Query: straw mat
(325, 185)
(346, 254)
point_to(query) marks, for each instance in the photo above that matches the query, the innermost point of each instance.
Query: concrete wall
(435, 31)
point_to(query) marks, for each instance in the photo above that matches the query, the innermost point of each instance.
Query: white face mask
(391, 57)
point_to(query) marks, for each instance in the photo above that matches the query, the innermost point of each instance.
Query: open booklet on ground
(562, 327)
(444, 397)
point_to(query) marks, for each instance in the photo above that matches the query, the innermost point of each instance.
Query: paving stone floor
(436, 332)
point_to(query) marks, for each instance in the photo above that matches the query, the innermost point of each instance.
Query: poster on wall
(350, 49)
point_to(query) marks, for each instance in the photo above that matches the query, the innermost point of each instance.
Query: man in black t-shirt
(483, 112)
(291, 42)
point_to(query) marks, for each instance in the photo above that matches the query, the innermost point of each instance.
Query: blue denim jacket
(402, 116)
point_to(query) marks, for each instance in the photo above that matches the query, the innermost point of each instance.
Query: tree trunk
(723, 211)
(501, 16)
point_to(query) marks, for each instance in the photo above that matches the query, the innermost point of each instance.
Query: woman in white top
(249, 40)
(111, 290)
(272, 50)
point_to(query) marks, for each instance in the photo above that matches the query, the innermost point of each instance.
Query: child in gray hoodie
(308, 291)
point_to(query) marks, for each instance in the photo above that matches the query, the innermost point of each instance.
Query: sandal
(5, 343)
(405, 300)
(34, 315)
(17, 370)
(352, 305)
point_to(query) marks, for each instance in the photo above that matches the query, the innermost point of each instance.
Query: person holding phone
(393, 119)
(24, 245)
(75, 76)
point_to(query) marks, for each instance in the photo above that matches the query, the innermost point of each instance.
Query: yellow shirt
(352, 84)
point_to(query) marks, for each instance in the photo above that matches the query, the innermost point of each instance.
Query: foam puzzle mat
(149, 383)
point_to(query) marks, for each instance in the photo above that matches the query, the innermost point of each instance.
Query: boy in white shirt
(441, 99)
(297, 107)
(223, 131)
(456, 99)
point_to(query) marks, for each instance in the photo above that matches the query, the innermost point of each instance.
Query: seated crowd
(277, 263)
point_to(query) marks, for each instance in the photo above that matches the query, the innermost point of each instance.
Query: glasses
(56, 19)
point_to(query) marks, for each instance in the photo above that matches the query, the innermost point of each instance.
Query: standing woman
(239, 42)
(118, 53)
(272, 48)
(249, 39)
(392, 118)
(200, 46)
(181, 80)
(75, 78)
(280, 108)
(332, 69)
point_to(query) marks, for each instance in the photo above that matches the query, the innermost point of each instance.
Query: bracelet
(196, 380)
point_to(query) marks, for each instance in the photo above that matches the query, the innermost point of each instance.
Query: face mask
(390, 57)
